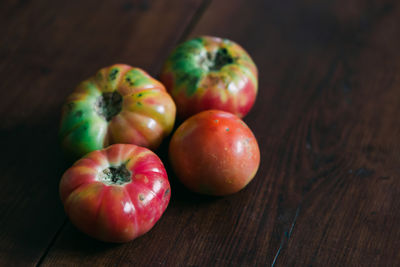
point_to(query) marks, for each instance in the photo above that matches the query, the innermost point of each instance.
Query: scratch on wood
(286, 236)
(363, 172)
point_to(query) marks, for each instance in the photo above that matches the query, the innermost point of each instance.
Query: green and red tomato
(120, 104)
(116, 194)
(210, 73)
(215, 153)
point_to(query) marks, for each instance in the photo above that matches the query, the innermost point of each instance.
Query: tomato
(120, 104)
(210, 73)
(116, 194)
(215, 153)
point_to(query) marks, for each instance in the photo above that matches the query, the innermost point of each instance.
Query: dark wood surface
(327, 119)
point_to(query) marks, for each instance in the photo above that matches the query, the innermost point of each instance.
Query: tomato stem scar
(214, 61)
(115, 175)
(108, 105)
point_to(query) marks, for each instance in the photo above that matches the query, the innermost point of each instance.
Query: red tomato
(215, 153)
(210, 73)
(116, 194)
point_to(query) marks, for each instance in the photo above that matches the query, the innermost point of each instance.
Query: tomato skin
(211, 73)
(111, 212)
(120, 104)
(215, 153)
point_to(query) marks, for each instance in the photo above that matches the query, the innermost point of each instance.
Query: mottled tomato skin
(215, 153)
(197, 80)
(116, 213)
(147, 112)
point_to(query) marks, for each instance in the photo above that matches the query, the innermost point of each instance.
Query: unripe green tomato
(120, 104)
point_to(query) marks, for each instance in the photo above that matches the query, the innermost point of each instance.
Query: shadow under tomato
(72, 239)
(31, 167)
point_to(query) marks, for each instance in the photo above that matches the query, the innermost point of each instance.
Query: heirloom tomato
(120, 104)
(210, 73)
(215, 153)
(116, 194)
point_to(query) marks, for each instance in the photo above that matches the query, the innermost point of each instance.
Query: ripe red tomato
(210, 73)
(116, 194)
(215, 153)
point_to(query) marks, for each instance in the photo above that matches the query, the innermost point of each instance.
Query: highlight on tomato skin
(120, 104)
(215, 153)
(210, 73)
(116, 194)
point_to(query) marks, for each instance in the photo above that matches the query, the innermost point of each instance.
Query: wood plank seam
(53, 240)
(192, 23)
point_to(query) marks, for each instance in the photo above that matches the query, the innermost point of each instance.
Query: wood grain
(326, 119)
(46, 48)
(349, 216)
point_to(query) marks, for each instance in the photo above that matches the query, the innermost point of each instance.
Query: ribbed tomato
(210, 73)
(116, 194)
(120, 104)
(215, 153)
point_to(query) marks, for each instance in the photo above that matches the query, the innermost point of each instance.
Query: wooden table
(327, 119)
